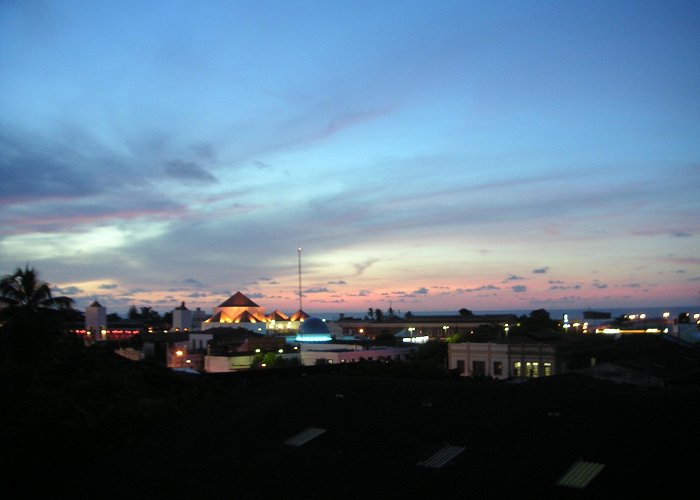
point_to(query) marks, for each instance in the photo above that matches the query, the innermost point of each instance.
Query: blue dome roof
(313, 326)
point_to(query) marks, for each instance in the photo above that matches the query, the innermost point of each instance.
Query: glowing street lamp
(411, 329)
(179, 354)
(444, 330)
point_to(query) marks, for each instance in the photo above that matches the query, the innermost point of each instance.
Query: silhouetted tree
(538, 321)
(113, 318)
(378, 315)
(465, 312)
(370, 313)
(22, 292)
(32, 321)
(133, 313)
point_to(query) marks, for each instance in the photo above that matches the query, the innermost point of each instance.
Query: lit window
(517, 369)
(547, 369)
(532, 369)
(497, 368)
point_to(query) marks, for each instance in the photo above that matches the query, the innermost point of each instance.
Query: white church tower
(95, 318)
(182, 319)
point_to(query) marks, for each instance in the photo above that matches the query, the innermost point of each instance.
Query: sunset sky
(429, 155)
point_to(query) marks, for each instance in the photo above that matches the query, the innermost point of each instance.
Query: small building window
(478, 368)
(517, 369)
(532, 369)
(547, 369)
(497, 368)
(460, 366)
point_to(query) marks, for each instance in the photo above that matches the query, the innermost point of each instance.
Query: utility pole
(299, 252)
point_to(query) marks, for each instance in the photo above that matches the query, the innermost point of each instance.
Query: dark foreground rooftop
(340, 435)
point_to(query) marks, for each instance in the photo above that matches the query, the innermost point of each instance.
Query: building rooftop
(514, 441)
(238, 300)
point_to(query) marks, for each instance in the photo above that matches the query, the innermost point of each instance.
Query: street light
(444, 330)
(411, 329)
(179, 353)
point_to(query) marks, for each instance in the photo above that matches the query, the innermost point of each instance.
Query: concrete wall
(488, 353)
(517, 360)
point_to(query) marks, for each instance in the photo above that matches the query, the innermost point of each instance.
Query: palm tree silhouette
(23, 294)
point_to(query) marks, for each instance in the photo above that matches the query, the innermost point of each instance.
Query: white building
(502, 360)
(479, 359)
(182, 319)
(95, 318)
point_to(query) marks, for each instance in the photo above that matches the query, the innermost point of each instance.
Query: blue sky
(428, 155)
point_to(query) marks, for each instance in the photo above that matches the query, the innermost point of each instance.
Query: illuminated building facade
(238, 310)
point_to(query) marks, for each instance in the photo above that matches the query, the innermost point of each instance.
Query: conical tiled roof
(278, 315)
(238, 300)
(299, 316)
(249, 317)
(95, 304)
(215, 319)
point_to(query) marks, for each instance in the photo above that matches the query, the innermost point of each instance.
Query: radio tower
(299, 252)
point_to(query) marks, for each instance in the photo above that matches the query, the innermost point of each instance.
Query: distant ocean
(574, 313)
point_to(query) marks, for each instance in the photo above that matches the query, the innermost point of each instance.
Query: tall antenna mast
(299, 252)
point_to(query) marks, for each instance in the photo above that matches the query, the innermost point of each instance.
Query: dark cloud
(600, 285)
(190, 281)
(362, 266)
(30, 167)
(681, 234)
(69, 290)
(256, 295)
(513, 277)
(188, 171)
(317, 290)
(204, 151)
(196, 295)
(262, 165)
(107, 286)
(519, 288)
(478, 289)
(540, 270)
(565, 287)
(420, 291)
(339, 282)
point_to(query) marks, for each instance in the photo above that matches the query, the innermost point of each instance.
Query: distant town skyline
(500, 155)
